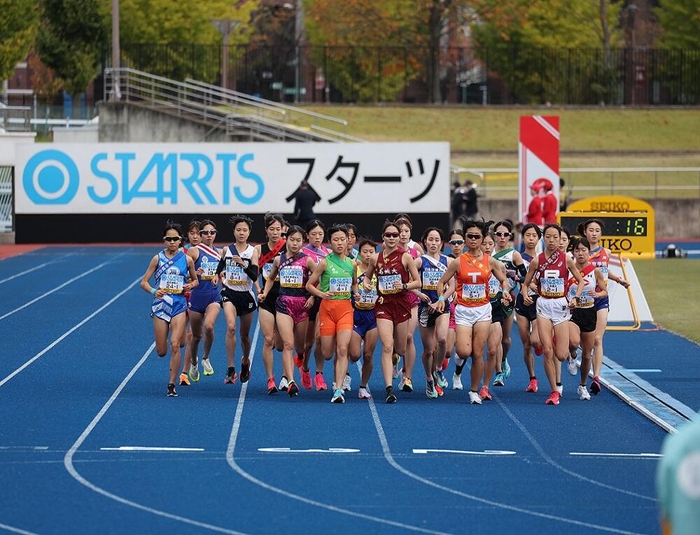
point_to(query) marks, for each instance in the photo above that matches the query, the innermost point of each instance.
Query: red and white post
(538, 162)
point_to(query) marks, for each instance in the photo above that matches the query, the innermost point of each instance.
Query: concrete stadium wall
(675, 218)
(121, 122)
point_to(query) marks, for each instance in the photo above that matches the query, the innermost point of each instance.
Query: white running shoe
(474, 398)
(402, 381)
(457, 382)
(346, 383)
(571, 366)
(284, 383)
(583, 394)
(194, 373)
(397, 362)
(363, 393)
(560, 389)
(208, 370)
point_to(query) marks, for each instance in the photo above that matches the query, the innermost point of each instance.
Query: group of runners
(323, 295)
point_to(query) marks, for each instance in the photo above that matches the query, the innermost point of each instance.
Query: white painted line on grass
(68, 333)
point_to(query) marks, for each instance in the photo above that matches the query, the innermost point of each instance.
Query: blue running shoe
(506, 369)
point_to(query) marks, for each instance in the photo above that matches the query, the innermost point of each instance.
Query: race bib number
(172, 283)
(473, 293)
(552, 287)
(266, 270)
(585, 300)
(367, 299)
(340, 286)
(208, 268)
(386, 284)
(291, 277)
(235, 276)
(431, 277)
(494, 287)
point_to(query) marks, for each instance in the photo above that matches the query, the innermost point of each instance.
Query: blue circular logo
(51, 177)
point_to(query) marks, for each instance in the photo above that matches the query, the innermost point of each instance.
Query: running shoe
(538, 349)
(560, 389)
(231, 376)
(320, 382)
(271, 386)
(184, 380)
(284, 384)
(338, 396)
(582, 392)
(440, 379)
(363, 393)
(457, 382)
(506, 369)
(553, 398)
(305, 378)
(500, 379)
(407, 385)
(298, 360)
(245, 371)
(439, 391)
(532, 387)
(172, 393)
(474, 398)
(571, 366)
(206, 365)
(194, 373)
(484, 394)
(395, 359)
(390, 396)
(430, 390)
(347, 381)
(445, 363)
(292, 389)
(595, 386)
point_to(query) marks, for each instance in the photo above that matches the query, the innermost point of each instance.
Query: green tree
(176, 39)
(18, 23)
(72, 40)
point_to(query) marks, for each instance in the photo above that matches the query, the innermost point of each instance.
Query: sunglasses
(474, 236)
(502, 234)
(172, 238)
(391, 234)
(207, 232)
(456, 242)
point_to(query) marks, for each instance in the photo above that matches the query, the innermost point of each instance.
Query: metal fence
(624, 76)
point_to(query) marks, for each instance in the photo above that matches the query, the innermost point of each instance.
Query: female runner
(293, 302)
(473, 310)
(337, 284)
(396, 276)
(456, 248)
(170, 269)
(189, 364)
(238, 271)
(600, 258)
(550, 271)
(205, 299)
(494, 347)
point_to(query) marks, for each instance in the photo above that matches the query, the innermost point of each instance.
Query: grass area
(663, 282)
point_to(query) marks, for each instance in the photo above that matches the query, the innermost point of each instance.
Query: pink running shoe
(484, 394)
(553, 398)
(305, 379)
(321, 382)
(532, 387)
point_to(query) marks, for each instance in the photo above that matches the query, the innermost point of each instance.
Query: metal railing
(236, 116)
(15, 118)
(648, 182)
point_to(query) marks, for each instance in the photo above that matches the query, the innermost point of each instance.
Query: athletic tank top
(337, 278)
(431, 271)
(390, 270)
(208, 261)
(293, 275)
(586, 299)
(599, 258)
(171, 273)
(266, 268)
(552, 275)
(367, 299)
(235, 277)
(472, 280)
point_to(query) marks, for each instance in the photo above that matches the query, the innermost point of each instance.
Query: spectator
(542, 209)
(563, 197)
(305, 197)
(464, 201)
(678, 481)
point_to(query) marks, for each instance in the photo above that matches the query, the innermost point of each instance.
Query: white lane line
(556, 465)
(25, 272)
(617, 455)
(390, 459)
(68, 459)
(84, 274)
(312, 450)
(68, 333)
(466, 452)
(643, 370)
(230, 451)
(149, 448)
(16, 530)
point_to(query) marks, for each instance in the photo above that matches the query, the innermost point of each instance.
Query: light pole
(116, 52)
(225, 27)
